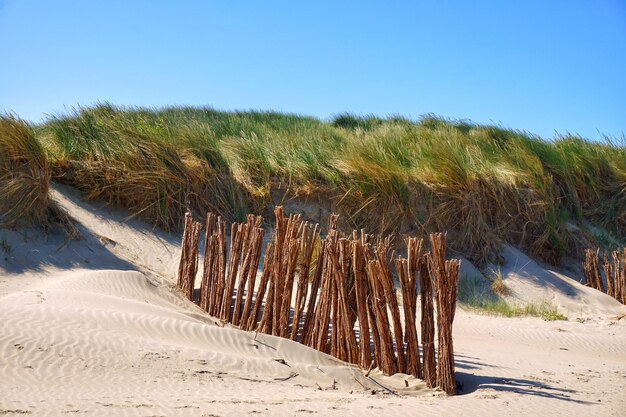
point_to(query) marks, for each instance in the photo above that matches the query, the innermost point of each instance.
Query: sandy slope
(94, 328)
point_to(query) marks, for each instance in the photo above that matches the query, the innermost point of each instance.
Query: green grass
(483, 184)
(477, 294)
(25, 181)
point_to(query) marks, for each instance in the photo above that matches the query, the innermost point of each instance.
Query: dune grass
(24, 174)
(479, 295)
(25, 182)
(484, 184)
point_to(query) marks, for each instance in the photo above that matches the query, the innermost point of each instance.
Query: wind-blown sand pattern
(94, 327)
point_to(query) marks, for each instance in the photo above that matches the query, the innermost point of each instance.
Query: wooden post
(618, 270)
(371, 313)
(389, 290)
(347, 348)
(309, 237)
(238, 234)
(291, 258)
(446, 280)
(205, 284)
(265, 324)
(609, 274)
(429, 367)
(623, 277)
(591, 269)
(309, 319)
(251, 261)
(361, 288)
(388, 362)
(620, 274)
(415, 259)
(279, 269)
(188, 266)
(319, 332)
(251, 311)
(408, 281)
(220, 278)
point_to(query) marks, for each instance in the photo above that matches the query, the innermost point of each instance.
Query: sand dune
(94, 328)
(530, 282)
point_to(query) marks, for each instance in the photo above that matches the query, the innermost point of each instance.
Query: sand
(95, 328)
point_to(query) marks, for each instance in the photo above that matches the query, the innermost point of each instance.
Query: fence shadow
(471, 383)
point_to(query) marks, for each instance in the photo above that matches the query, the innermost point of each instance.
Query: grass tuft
(24, 174)
(498, 286)
(477, 294)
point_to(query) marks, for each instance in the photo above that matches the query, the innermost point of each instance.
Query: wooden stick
(309, 319)
(322, 311)
(429, 367)
(592, 270)
(292, 262)
(414, 252)
(410, 330)
(238, 234)
(389, 290)
(251, 314)
(309, 237)
(361, 290)
(248, 274)
(609, 274)
(446, 280)
(188, 266)
(620, 275)
(279, 269)
(222, 249)
(623, 277)
(388, 362)
(205, 284)
(345, 293)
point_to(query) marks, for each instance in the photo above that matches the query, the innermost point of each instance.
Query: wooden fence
(614, 267)
(338, 281)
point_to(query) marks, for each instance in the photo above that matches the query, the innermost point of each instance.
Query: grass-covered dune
(484, 184)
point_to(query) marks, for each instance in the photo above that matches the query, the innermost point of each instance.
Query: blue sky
(542, 66)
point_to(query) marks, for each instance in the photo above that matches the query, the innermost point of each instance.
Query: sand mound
(530, 282)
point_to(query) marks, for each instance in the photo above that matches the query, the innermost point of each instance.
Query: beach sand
(94, 327)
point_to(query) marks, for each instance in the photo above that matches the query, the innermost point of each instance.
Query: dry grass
(24, 174)
(25, 180)
(498, 286)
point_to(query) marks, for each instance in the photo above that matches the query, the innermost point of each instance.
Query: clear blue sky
(543, 66)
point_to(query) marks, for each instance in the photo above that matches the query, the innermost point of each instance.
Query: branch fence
(345, 302)
(614, 267)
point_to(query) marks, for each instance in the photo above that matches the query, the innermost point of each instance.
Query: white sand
(94, 328)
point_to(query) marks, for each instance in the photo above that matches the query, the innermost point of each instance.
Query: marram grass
(25, 180)
(24, 174)
(484, 184)
(477, 295)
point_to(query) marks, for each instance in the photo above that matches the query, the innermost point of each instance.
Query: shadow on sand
(470, 383)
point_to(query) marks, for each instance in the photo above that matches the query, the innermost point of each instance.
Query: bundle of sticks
(614, 266)
(337, 295)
